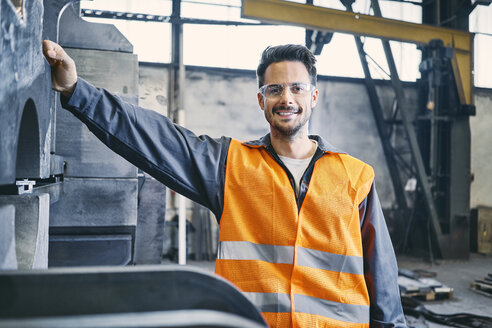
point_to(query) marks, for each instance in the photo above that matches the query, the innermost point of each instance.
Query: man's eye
(297, 88)
(274, 90)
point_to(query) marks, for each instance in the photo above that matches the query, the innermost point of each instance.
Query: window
(151, 40)
(481, 24)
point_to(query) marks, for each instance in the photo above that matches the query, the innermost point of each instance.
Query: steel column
(175, 110)
(382, 127)
(404, 106)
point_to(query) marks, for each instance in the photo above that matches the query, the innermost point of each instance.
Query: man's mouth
(286, 111)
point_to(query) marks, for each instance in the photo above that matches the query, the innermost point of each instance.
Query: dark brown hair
(288, 52)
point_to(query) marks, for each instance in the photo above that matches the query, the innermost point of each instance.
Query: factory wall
(481, 150)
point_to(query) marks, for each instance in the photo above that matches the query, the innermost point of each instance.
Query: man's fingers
(54, 57)
(53, 52)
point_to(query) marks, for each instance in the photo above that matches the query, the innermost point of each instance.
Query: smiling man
(287, 106)
(301, 229)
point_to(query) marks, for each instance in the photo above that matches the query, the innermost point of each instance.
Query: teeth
(286, 113)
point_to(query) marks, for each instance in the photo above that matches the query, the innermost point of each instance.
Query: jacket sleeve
(193, 166)
(380, 267)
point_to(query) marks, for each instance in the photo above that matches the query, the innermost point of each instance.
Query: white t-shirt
(297, 167)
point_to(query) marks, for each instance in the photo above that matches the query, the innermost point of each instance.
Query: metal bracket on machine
(20, 187)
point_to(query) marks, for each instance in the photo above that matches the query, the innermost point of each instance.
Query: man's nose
(287, 97)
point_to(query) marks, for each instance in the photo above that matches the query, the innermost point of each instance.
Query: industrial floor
(453, 273)
(458, 275)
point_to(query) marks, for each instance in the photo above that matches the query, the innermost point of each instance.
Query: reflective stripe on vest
(339, 311)
(301, 267)
(245, 250)
(270, 302)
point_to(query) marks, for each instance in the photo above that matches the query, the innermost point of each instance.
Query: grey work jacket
(194, 166)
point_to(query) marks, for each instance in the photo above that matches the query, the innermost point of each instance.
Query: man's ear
(314, 98)
(260, 101)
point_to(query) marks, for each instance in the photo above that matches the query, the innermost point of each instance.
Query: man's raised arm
(191, 165)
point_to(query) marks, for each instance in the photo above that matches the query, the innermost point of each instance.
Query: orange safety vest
(301, 268)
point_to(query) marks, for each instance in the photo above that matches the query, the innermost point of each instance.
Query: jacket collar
(323, 145)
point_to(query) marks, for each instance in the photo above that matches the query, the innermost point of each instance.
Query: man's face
(289, 113)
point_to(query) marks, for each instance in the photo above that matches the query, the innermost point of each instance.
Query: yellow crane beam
(332, 20)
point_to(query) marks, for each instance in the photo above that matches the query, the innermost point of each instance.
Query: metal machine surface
(26, 158)
(94, 223)
(441, 162)
(142, 296)
(63, 194)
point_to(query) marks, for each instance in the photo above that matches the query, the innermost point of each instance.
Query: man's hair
(288, 52)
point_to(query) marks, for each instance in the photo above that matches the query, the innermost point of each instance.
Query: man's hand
(63, 70)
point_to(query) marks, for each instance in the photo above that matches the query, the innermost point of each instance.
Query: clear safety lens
(277, 90)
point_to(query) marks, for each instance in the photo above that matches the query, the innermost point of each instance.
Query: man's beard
(285, 130)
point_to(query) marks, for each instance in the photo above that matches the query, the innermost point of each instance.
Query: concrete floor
(453, 273)
(458, 275)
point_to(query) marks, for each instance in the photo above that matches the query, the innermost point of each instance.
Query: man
(302, 231)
